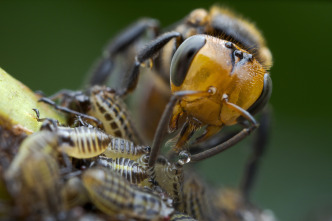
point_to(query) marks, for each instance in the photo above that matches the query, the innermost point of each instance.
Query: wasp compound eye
(183, 57)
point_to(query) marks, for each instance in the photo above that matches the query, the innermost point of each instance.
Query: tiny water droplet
(184, 157)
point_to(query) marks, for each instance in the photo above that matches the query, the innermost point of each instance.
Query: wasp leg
(233, 140)
(122, 41)
(259, 148)
(148, 52)
(161, 130)
(67, 110)
(163, 124)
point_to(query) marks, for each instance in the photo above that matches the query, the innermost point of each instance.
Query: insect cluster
(98, 166)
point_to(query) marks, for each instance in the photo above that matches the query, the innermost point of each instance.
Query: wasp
(113, 195)
(218, 67)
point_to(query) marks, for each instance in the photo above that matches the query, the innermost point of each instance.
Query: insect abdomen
(195, 202)
(127, 168)
(181, 217)
(113, 194)
(119, 147)
(108, 108)
(83, 142)
(35, 161)
(169, 177)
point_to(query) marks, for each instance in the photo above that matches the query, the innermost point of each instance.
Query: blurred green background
(50, 45)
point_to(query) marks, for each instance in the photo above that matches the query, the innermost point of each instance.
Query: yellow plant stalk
(16, 104)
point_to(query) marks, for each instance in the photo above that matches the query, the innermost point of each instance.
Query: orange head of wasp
(229, 82)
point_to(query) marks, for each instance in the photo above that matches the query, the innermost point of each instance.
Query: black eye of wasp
(183, 57)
